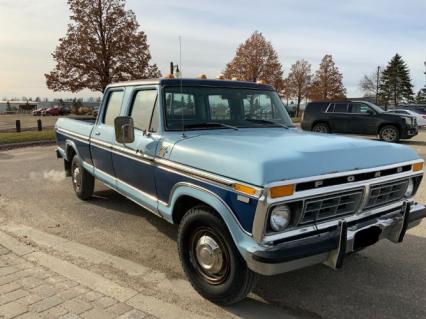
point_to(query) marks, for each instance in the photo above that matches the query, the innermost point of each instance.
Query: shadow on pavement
(384, 281)
(112, 200)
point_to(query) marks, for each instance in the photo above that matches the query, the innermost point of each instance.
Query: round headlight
(280, 218)
(410, 188)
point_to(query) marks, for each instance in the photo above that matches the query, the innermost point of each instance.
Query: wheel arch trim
(211, 199)
(69, 144)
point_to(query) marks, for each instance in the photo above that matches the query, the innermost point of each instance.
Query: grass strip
(29, 136)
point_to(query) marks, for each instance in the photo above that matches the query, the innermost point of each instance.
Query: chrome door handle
(97, 133)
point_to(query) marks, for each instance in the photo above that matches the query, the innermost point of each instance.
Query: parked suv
(357, 117)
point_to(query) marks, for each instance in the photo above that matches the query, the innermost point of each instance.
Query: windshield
(197, 108)
(375, 107)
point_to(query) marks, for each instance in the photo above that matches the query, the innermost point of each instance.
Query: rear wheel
(321, 128)
(389, 133)
(210, 259)
(82, 181)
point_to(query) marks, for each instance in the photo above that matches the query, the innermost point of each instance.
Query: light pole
(377, 84)
(425, 72)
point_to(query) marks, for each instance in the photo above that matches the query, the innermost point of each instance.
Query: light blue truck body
(165, 171)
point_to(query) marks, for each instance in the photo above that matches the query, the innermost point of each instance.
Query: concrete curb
(82, 276)
(5, 147)
(15, 246)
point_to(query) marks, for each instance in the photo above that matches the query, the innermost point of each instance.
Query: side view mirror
(124, 129)
(370, 112)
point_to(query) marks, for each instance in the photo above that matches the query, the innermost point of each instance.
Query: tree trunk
(299, 98)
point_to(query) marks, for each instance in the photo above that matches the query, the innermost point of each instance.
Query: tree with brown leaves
(299, 80)
(103, 44)
(286, 90)
(327, 84)
(255, 60)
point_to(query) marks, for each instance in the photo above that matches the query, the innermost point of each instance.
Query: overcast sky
(359, 34)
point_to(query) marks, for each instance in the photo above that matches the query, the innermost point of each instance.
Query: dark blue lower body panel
(244, 212)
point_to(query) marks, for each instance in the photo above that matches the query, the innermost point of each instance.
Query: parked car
(250, 193)
(355, 117)
(419, 115)
(64, 110)
(38, 112)
(51, 111)
(420, 108)
(95, 111)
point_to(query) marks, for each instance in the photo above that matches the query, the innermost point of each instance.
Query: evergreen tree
(421, 96)
(395, 83)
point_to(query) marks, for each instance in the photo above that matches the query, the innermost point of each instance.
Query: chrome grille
(330, 206)
(386, 193)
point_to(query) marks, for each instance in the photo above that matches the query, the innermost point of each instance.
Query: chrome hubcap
(76, 178)
(389, 134)
(209, 255)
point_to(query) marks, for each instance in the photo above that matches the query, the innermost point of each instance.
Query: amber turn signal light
(281, 191)
(417, 167)
(244, 189)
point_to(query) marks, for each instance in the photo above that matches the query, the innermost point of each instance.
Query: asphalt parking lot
(384, 281)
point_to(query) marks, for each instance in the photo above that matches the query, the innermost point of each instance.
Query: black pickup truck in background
(353, 117)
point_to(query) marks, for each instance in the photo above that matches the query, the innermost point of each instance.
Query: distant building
(28, 106)
(19, 106)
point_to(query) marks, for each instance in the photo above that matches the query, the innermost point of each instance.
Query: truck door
(133, 163)
(103, 134)
(363, 119)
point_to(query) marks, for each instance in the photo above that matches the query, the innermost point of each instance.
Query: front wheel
(82, 181)
(389, 133)
(321, 128)
(210, 259)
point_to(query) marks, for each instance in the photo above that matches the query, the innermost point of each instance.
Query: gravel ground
(384, 281)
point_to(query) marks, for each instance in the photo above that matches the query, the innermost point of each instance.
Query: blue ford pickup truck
(250, 193)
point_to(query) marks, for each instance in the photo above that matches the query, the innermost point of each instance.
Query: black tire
(389, 133)
(321, 128)
(229, 283)
(82, 181)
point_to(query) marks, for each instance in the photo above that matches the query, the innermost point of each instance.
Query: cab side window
(142, 108)
(360, 108)
(113, 107)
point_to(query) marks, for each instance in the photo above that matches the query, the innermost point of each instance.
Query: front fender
(242, 239)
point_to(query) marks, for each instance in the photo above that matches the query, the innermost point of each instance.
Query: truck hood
(262, 156)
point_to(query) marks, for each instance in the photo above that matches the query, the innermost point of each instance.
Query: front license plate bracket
(366, 237)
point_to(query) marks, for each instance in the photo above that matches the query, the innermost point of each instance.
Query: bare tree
(103, 44)
(256, 59)
(327, 83)
(299, 80)
(369, 84)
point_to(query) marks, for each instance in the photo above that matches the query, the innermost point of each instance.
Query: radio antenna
(179, 73)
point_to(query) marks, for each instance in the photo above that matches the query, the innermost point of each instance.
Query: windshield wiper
(210, 124)
(267, 122)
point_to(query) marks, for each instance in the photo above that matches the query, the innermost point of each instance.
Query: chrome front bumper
(329, 246)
